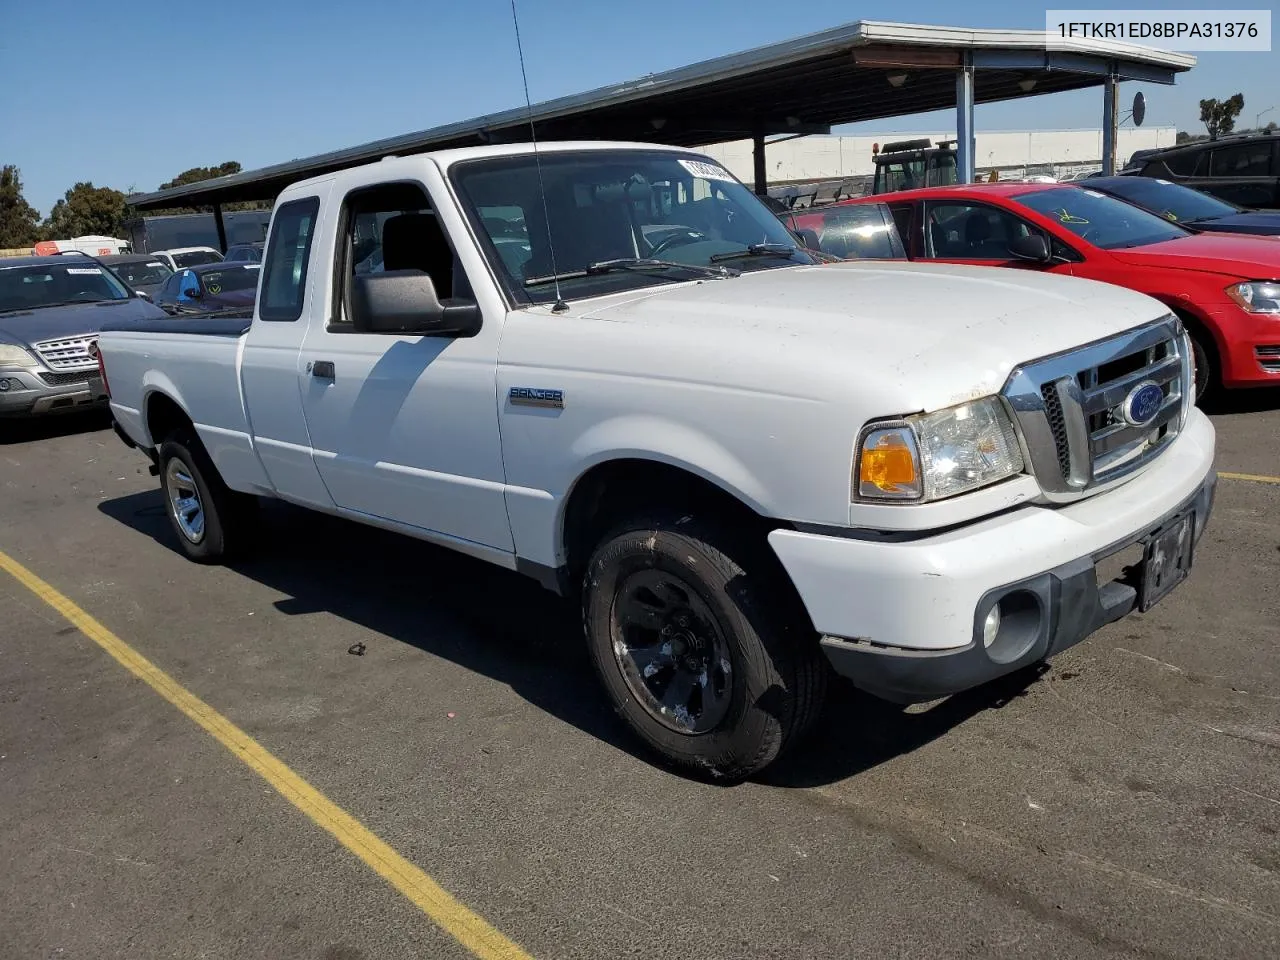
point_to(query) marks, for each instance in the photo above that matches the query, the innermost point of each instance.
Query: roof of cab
(447, 158)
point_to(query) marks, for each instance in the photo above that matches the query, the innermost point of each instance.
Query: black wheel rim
(671, 651)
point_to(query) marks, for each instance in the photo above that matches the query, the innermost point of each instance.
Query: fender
(538, 517)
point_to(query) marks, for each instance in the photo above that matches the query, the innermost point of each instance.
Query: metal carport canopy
(801, 86)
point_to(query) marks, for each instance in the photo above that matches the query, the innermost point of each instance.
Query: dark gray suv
(1244, 170)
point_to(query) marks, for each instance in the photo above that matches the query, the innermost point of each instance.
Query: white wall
(829, 158)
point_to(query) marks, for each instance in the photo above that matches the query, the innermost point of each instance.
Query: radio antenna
(559, 306)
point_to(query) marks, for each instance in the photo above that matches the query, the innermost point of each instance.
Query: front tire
(702, 646)
(209, 519)
(1207, 375)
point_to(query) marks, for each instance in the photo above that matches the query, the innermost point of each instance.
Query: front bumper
(1249, 346)
(902, 618)
(24, 393)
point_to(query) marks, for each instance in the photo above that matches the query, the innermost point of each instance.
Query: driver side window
(971, 231)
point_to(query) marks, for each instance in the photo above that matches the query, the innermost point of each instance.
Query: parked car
(863, 232)
(1226, 289)
(138, 271)
(1198, 212)
(51, 310)
(210, 288)
(1243, 170)
(244, 253)
(748, 468)
(180, 257)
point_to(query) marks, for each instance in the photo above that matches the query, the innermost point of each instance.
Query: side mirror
(193, 292)
(1031, 247)
(405, 301)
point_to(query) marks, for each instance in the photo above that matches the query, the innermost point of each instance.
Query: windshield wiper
(757, 250)
(635, 264)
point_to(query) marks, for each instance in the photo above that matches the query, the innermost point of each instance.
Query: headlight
(937, 455)
(1256, 296)
(11, 356)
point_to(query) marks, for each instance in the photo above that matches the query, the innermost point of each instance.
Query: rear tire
(702, 645)
(210, 520)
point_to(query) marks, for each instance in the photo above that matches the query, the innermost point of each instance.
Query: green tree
(19, 221)
(1219, 116)
(87, 210)
(196, 175)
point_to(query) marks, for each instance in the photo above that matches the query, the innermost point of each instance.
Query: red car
(1225, 287)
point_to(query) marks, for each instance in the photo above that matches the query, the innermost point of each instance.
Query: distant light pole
(1257, 121)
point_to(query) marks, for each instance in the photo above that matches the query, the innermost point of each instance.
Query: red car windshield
(1101, 220)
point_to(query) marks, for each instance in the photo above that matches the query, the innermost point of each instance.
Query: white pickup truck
(609, 367)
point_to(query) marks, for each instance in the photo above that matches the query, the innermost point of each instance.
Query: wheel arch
(162, 415)
(613, 488)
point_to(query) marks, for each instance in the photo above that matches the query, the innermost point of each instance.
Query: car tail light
(102, 368)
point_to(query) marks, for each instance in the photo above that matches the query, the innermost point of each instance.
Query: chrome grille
(69, 353)
(1072, 408)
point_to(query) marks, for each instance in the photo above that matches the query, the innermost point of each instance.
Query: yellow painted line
(468, 928)
(1250, 477)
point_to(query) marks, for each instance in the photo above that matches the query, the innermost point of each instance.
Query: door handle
(322, 369)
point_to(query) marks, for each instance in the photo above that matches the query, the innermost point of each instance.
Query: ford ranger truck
(609, 367)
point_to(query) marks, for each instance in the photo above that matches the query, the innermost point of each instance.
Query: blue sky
(128, 96)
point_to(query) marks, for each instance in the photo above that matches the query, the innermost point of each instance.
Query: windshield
(617, 205)
(1170, 200)
(47, 285)
(1103, 221)
(146, 273)
(196, 257)
(229, 280)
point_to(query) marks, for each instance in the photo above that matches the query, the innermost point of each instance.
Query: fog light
(991, 626)
(4, 386)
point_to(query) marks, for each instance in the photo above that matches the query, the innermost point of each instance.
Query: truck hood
(25, 327)
(928, 336)
(1230, 254)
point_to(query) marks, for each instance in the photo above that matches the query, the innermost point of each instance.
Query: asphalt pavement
(1123, 803)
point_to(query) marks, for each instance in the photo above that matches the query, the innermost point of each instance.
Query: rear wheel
(701, 646)
(210, 520)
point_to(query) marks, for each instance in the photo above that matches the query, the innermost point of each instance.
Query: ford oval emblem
(1143, 403)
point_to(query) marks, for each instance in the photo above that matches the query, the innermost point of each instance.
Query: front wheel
(701, 646)
(209, 518)
(1206, 376)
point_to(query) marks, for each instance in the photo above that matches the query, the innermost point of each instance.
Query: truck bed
(193, 362)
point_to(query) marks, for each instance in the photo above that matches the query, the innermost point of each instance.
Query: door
(965, 231)
(404, 427)
(269, 362)
(1244, 173)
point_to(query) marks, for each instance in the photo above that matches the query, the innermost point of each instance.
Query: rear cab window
(284, 281)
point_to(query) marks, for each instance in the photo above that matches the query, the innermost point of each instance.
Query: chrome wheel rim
(671, 652)
(184, 501)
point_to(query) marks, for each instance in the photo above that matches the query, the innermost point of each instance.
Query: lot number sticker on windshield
(708, 171)
(84, 271)
(155, 264)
